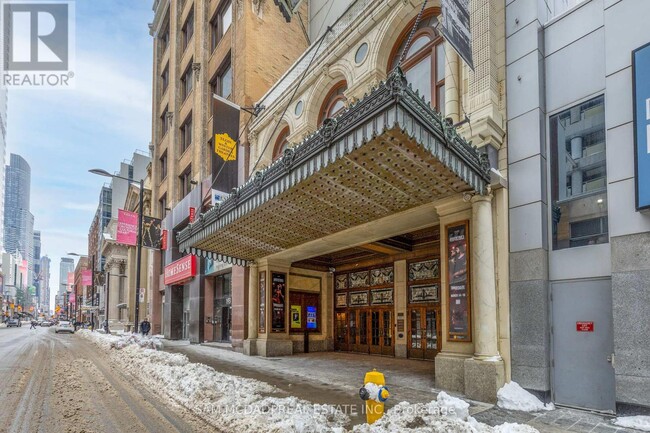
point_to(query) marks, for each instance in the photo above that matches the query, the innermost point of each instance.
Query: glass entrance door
(423, 332)
(381, 332)
(341, 331)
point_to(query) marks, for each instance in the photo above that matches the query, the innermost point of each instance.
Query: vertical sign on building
(192, 214)
(225, 133)
(163, 240)
(262, 288)
(278, 292)
(458, 272)
(641, 95)
(456, 29)
(127, 227)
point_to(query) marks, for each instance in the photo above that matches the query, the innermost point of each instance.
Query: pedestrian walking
(145, 327)
(33, 322)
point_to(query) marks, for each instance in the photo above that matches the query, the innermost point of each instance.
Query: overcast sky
(63, 133)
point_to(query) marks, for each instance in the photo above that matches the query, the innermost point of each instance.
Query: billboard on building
(641, 95)
(225, 134)
(456, 29)
(151, 232)
(127, 227)
(278, 293)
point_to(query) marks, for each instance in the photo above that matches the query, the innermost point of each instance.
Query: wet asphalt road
(60, 383)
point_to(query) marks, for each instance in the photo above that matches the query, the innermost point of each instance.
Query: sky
(64, 133)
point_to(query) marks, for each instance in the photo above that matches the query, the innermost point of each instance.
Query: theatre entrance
(366, 330)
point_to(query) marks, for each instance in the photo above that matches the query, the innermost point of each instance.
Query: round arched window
(424, 62)
(334, 102)
(281, 143)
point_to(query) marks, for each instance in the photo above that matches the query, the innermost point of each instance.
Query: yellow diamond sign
(225, 147)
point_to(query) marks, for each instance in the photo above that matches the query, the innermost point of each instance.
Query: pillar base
(483, 379)
(450, 372)
(401, 351)
(268, 348)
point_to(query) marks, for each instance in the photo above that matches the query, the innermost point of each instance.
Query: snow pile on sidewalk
(639, 422)
(445, 414)
(230, 403)
(513, 397)
(121, 340)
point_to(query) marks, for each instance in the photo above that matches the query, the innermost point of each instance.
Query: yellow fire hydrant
(374, 393)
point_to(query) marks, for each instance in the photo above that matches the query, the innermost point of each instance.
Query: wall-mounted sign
(141, 295)
(192, 214)
(225, 133)
(585, 326)
(424, 293)
(358, 299)
(311, 317)
(296, 320)
(641, 95)
(458, 283)
(163, 240)
(262, 294)
(278, 293)
(341, 300)
(127, 227)
(181, 270)
(381, 297)
(456, 29)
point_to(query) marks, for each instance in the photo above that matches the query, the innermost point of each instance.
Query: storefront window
(579, 176)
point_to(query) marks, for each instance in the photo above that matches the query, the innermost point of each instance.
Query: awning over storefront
(387, 153)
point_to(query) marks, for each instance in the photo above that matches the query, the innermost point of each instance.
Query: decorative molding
(258, 8)
(196, 70)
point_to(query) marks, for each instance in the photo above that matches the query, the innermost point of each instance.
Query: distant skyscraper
(18, 220)
(36, 256)
(45, 283)
(3, 156)
(67, 265)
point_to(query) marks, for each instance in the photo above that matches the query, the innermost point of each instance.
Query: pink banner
(71, 298)
(127, 227)
(87, 278)
(70, 281)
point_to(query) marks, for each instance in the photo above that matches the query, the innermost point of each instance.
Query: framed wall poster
(262, 297)
(459, 301)
(296, 319)
(278, 295)
(341, 300)
(358, 299)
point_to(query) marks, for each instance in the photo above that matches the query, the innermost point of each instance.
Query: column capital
(482, 197)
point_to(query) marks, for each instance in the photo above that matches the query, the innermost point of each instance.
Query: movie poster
(458, 271)
(262, 288)
(278, 293)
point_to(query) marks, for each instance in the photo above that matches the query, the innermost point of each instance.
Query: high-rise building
(44, 300)
(66, 266)
(18, 220)
(3, 154)
(204, 48)
(36, 256)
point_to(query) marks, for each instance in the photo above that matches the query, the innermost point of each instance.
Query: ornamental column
(484, 287)
(253, 312)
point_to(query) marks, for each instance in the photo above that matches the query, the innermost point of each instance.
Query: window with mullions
(221, 23)
(424, 62)
(579, 176)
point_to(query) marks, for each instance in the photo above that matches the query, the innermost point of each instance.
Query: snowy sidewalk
(334, 378)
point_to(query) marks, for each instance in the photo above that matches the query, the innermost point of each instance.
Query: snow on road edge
(639, 422)
(513, 397)
(233, 403)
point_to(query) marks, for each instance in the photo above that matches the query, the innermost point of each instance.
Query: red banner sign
(180, 270)
(163, 240)
(585, 326)
(127, 227)
(87, 278)
(192, 214)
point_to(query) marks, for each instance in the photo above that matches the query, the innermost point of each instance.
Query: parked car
(14, 322)
(64, 326)
(46, 323)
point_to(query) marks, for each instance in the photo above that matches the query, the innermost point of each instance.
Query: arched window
(281, 143)
(424, 62)
(334, 102)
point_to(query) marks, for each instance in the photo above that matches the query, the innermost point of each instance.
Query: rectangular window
(579, 175)
(163, 166)
(184, 182)
(163, 42)
(164, 79)
(163, 206)
(164, 126)
(222, 84)
(188, 29)
(221, 23)
(187, 82)
(186, 134)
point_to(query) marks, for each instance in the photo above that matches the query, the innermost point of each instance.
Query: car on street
(46, 323)
(14, 322)
(64, 326)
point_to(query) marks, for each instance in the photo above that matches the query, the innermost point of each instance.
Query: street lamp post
(138, 264)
